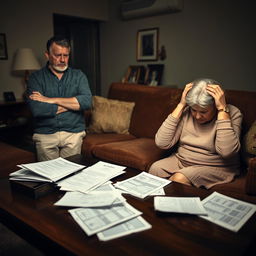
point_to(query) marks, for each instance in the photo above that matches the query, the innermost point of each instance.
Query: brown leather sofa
(152, 105)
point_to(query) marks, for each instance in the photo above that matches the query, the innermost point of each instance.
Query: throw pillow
(250, 140)
(110, 115)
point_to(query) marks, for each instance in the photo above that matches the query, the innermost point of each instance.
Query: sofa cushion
(138, 153)
(93, 139)
(234, 188)
(110, 115)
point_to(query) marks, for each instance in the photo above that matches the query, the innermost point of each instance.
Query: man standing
(58, 96)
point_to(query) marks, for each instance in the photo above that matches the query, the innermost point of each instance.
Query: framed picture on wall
(135, 75)
(154, 74)
(3, 47)
(147, 44)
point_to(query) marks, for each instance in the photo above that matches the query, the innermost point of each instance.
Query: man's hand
(61, 110)
(39, 97)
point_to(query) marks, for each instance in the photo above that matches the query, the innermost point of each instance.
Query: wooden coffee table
(53, 230)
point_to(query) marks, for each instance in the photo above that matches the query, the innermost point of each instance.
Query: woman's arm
(227, 141)
(177, 112)
(169, 132)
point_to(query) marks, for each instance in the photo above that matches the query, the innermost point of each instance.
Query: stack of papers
(91, 178)
(46, 171)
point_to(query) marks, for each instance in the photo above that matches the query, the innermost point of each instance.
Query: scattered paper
(131, 226)
(104, 211)
(159, 192)
(105, 187)
(94, 199)
(142, 185)
(94, 220)
(227, 212)
(189, 205)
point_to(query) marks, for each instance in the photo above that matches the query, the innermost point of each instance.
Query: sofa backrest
(246, 102)
(153, 104)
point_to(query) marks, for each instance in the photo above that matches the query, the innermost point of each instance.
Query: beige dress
(207, 154)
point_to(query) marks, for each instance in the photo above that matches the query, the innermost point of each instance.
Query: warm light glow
(25, 60)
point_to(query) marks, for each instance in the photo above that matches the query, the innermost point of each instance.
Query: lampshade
(25, 60)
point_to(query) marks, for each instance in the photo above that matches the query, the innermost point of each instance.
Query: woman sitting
(207, 131)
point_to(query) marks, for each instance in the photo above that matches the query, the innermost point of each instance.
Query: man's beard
(59, 69)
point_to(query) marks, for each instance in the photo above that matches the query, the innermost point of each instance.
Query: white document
(227, 212)
(142, 185)
(94, 199)
(112, 168)
(159, 192)
(55, 169)
(131, 226)
(91, 177)
(94, 220)
(27, 175)
(107, 187)
(190, 205)
(81, 181)
(104, 187)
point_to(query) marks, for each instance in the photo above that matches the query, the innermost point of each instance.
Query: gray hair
(198, 95)
(59, 40)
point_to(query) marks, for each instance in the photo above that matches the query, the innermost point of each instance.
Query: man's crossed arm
(64, 104)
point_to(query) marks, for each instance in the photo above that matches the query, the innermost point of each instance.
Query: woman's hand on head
(177, 112)
(184, 94)
(218, 94)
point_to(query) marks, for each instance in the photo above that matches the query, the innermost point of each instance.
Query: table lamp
(26, 61)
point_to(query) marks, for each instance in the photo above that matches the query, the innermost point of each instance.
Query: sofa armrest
(87, 117)
(250, 183)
